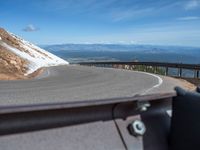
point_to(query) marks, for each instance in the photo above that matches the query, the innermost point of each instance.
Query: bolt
(143, 105)
(137, 128)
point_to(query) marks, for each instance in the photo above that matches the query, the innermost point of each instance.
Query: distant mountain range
(122, 47)
(75, 53)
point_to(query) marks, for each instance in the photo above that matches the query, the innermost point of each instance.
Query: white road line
(160, 81)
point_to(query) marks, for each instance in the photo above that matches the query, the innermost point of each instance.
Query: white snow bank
(36, 56)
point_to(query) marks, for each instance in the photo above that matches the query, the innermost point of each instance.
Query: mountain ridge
(20, 58)
(119, 47)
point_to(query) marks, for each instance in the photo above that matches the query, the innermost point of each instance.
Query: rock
(13, 62)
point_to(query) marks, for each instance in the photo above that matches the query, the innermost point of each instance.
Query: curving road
(80, 83)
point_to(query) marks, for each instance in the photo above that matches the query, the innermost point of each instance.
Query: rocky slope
(19, 58)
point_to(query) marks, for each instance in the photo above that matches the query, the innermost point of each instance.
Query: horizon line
(110, 43)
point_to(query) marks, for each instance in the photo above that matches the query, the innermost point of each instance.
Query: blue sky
(160, 22)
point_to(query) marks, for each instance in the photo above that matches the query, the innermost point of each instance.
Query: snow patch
(36, 56)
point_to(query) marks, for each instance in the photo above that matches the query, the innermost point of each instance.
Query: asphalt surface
(79, 83)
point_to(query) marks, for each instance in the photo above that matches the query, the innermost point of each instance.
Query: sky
(156, 22)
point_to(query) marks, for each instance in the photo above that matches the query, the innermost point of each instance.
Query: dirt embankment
(190, 83)
(12, 67)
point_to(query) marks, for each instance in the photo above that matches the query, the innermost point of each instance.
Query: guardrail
(155, 67)
(26, 118)
(86, 103)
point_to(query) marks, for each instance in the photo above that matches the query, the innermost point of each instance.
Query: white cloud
(74, 6)
(163, 34)
(130, 14)
(192, 4)
(30, 28)
(189, 18)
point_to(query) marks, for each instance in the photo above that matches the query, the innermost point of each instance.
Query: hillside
(19, 59)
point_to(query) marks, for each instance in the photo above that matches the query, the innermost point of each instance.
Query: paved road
(79, 83)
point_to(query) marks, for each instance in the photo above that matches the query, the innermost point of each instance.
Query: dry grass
(8, 76)
(188, 85)
(191, 82)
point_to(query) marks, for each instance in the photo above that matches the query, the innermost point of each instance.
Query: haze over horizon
(155, 22)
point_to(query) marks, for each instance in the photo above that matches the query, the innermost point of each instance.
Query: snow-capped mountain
(23, 55)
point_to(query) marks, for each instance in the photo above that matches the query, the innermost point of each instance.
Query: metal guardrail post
(180, 72)
(196, 74)
(145, 68)
(156, 69)
(166, 71)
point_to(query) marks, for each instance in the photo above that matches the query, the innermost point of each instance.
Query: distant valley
(75, 53)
